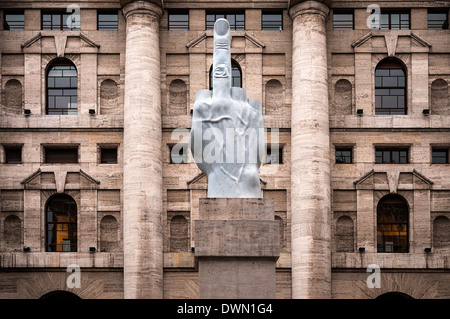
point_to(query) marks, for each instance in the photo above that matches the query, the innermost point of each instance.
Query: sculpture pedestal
(237, 245)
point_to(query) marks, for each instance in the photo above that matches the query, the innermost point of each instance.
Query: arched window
(392, 225)
(62, 82)
(390, 88)
(236, 75)
(61, 222)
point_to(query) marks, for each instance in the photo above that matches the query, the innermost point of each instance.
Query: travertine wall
(265, 58)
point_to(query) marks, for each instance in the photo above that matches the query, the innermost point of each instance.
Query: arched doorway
(60, 295)
(394, 295)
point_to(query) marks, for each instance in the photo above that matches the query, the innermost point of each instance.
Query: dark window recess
(390, 88)
(62, 93)
(178, 154)
(439, 156)
(274, 154)
(107, 21)
(392, 225)
(61, 224)
(14, 20)
(438, 19)
(343, 20)
(13, 154)
(236, 20)
(391, 156)
(60, 155)
(344, 156)
(394, 20)
(60, 21)
(272, 21)
(179, 20)
(108, 155)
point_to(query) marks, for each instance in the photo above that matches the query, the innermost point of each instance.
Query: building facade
(96, 100)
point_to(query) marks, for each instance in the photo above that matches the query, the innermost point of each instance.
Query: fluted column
(310, 159)
(142, 172)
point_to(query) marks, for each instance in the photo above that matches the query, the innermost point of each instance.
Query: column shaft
(310, 159)
(142, 173)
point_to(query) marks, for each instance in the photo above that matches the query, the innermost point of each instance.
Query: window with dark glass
(178, 153)
(107, 20)
(179, 20)
(61, 224)
(391, 156)
(390, 88)
(13, 20)
(60, 20)
(236, 20)
(439, 156)
(392, 225)
(438, 19)
(274, 154)
(108, 155)
(272, 20)
(394, 20)
(344, 156)
(236, 75)
(62, 93)
(13, 154)
(343, 20)
(60, 154)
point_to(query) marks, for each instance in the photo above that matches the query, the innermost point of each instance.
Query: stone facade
(141, 80)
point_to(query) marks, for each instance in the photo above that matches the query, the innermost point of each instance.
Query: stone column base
(237, 245)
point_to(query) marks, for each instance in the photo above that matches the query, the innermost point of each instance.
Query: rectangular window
(108, 155)
(344, 156)
(272, 20)
(394, 20)
(439, 156)
(236, 20)
(60, 20)
(14, 20)
(178, 153)
(179, 20)
(274, 154)
(343, 20)
(391, 156)
(437, 19)
(61, 155)
(107, 20)
(13, 154)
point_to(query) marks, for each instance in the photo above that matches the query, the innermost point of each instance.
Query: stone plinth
(237, 245)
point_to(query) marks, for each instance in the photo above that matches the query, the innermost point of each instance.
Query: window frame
(442, 150)
(399, 248)
(273, 13)
(107, 12)
(399, 12)
(60, 111)
(344, 12)
(62, 26)
(233, 27)
(6, 26)
(343, 149)
(14, 147)
(74, 244)
(392, 149)
(184, 155)
(50, 147)
(445, 25)
(391, 64)
(108, 148)
(178, 12)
